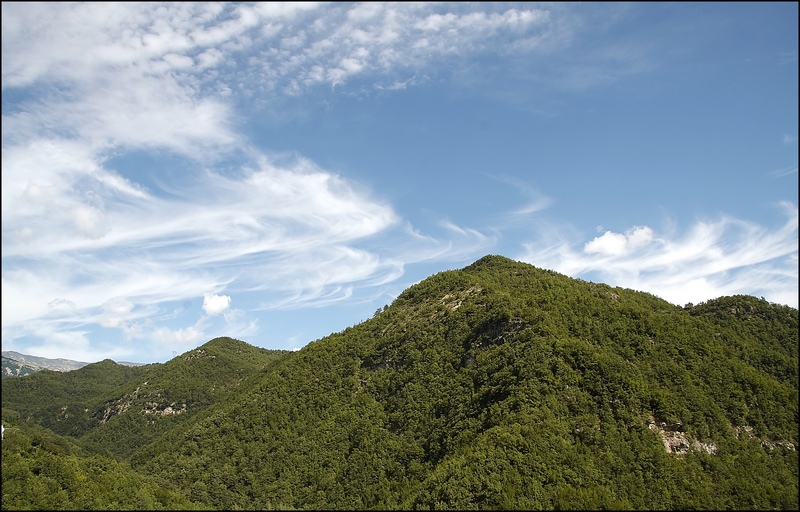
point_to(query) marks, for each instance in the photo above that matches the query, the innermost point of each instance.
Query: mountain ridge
(499, 385)
(16, 364)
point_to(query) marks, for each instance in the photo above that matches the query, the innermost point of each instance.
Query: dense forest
(497, 386)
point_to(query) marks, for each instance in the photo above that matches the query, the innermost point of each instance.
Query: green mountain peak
(499, 385)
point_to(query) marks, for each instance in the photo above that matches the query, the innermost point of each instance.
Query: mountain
(500, 385)
(79, 403)
(16, 364)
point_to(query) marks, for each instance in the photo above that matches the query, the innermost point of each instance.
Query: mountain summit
(500, 385)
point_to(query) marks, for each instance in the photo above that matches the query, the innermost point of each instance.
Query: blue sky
(277, 172)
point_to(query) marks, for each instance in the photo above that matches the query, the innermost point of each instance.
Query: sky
(175, 172)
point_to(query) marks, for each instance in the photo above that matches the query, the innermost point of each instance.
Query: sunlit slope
(64, 401)
(503, 385)
(45, 471)
(116, 409)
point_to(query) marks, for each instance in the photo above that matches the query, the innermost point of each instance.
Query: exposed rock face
(163, 409)
(676, 441)
(155, 406)
(750, 432)
(455, 301)
(115, 407)
(771, 445)
(197, 353)
(707, 447)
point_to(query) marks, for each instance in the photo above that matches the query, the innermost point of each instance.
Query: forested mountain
(16, 364)
(500, 385)
(143, 401)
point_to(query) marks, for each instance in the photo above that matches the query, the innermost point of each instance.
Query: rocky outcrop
(153, 404)
(162, 409)
(454, 301)
(676, 441)
(750, 433)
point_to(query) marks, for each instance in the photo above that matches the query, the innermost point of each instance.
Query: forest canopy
(500, 385)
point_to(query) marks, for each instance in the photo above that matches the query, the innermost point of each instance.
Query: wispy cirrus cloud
(786, 171)
(263, 229)
(134, 201)
(94, 83)
(713, 258)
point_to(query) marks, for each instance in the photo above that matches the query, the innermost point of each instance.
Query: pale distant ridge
(17, 365)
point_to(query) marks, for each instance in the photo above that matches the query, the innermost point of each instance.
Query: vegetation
(79, 402)
(44, 471)
(500, 385)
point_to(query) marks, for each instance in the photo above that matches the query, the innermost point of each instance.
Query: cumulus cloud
(618, 244)
(215, 304)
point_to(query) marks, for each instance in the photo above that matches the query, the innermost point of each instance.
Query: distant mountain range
(17, 365)
(496, 386)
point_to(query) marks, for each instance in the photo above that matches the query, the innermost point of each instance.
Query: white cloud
(115, 311)
(609, 243)
(183, 336)
(617, 244)
(215, 304)
(87, 243)
(786, 171)
(60, 305)
(725, 257)
(261, 226)
(90, 222)
(285, 48)
(52, 342)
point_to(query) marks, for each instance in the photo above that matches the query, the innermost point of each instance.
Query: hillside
(58, 400)
(16, 364)
(44, 471)
(112, 402)
(500, 385)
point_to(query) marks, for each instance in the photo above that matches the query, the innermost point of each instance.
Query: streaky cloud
(723, 257)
